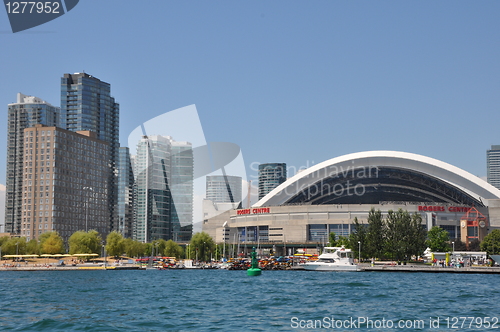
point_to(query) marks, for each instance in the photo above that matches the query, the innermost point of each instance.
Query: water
(219, 300)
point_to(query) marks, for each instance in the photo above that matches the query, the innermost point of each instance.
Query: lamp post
(104, 254)
(204, 251)
(359, 252)
(453, 252)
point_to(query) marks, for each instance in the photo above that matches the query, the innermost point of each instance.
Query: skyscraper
(270, 176)
(25, 113)
(125, 193)
(181, 187)
(223, 189)
(163, 172)
(493, 166)
(86, 104)
(65, 182)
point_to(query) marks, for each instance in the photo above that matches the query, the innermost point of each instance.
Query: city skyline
(317, 80)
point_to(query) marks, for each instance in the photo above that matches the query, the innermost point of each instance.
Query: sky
(298, 82)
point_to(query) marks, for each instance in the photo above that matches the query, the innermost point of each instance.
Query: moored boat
(333, 259)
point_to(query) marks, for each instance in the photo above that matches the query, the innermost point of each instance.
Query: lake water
(219, 300)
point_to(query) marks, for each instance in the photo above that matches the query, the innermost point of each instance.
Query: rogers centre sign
(253, 211)
(439, 208)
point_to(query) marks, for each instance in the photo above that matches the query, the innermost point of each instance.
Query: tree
(491, 243)
(405, 236)
(51, 243)
(82, 242)
(14, 246)
(332, 241)
(417, 236)
(32, 247)
(375, 241)
(343, 241)
(358, 237)
(437, 240)
(115, 246)
(201, 246)
(134, 248)
(172, 249)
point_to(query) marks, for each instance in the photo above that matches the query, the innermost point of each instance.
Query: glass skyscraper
(163, 192)
(181, 187)
(125, 193)
(87, 105)
(25, 113)
(270, 176)
(223, 189)
(493, 166)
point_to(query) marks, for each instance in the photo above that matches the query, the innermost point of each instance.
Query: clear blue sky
(288, 81)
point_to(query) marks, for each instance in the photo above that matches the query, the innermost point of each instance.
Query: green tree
(172, 249)
(358, 238)
(332, 241)
(343, 241)
(115, 246)
(134, 248)
(375, 237)
(417, 236)
(438, 239)
(404, 235)
(32, 247)
(491, 243)
(82, 242)
(14, 246)
(51, 243)
(201, 246)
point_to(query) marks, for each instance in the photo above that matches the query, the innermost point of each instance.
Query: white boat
(333, 259)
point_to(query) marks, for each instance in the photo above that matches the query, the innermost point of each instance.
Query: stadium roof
(379, 176)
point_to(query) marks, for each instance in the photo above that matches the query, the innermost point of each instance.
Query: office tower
(163, 189)
(65, 183)
(86, 104)
(493, 165)
(181, 187)
(25, 113)
(125, 193)
(270, 176)
(223, 189)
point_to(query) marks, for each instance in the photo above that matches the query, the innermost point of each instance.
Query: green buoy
(254, 268)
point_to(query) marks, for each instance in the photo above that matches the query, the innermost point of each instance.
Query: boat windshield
(326, 260)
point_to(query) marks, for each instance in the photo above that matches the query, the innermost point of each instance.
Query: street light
(453, 243)
(359, 253)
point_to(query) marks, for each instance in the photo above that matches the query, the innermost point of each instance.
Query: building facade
(25, 113)
(181, 187)
(87, 105)
(270, 176)
(223, 188)
(125, 194)
(493, 166)
(163, 192)
(65, 182)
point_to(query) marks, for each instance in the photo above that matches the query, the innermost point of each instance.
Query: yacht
(333, 259)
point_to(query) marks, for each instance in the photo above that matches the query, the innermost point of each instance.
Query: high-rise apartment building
(493, 166)
(86, 104)
(125, 193)
(163, 172)
(65, 182)
(26, 112)
(270, 176)
(223, 189)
